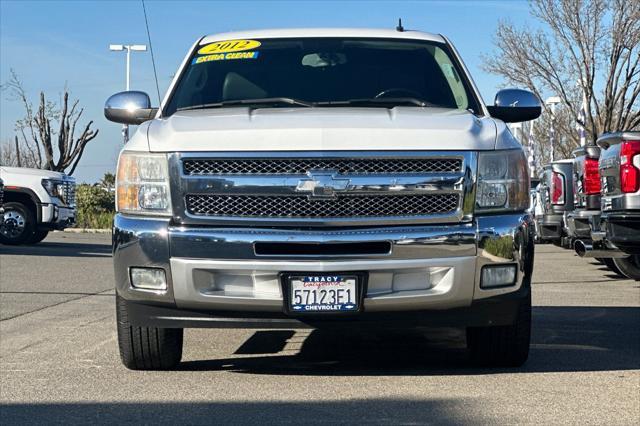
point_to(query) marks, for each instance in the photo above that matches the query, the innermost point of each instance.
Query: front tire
(502, 346)
(147, 348)
(629, 266)
(18, 224)
(38, 236)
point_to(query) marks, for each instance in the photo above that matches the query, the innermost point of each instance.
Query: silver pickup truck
(616, 233)
(557, 199)
(586, 191)
(322, 178)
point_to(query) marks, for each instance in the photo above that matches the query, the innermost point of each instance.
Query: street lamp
(582, 114)
(552, 102)
(129, 48)
(533, 163)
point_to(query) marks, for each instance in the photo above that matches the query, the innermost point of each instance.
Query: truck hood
(321, 129)
(30, 172)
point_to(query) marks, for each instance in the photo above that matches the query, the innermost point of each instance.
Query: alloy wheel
(13, 225)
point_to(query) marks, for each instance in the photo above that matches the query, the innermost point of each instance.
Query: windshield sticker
(229, 46)
(224, 57)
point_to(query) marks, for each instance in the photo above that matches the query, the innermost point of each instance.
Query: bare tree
(14, 153)
(48, 132)
(587, 48)
(566, 137)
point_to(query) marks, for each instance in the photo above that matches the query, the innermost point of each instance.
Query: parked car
(322, 178)
(536, 208)
(616, 234)
(556, 194)
(35, 202)
(534, 195)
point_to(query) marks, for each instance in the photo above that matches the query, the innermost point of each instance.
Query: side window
(454, 80)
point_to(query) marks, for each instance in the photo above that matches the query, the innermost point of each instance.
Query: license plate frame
(286, 286)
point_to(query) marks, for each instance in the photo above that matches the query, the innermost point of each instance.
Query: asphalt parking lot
(59, 358)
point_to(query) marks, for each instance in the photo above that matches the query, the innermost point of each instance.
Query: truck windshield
(307, 72)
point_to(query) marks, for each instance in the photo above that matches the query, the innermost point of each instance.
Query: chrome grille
(69, 193)
(301, 206)
(299, 166)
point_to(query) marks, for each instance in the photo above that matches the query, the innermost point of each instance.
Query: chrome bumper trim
(429, 267)
(407, 242)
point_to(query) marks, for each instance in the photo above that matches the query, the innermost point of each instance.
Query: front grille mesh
(301, 206)
(300, 166)
(69, 193)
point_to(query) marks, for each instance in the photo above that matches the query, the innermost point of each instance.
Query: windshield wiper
(380, 102)
(255, 103)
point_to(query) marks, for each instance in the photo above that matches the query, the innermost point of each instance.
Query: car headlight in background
(142, 184)
(503, 181)
(54, 188)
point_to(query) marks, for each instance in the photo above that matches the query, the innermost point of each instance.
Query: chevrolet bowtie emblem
(322, 184)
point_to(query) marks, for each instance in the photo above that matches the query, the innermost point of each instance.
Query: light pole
(552, 102)
(129, 48)
(532, 153)
(582, 114)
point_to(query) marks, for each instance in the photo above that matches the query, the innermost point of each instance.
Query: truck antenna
(400, 28)
(153, 61)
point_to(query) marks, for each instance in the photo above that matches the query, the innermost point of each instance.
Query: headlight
(53, 187)
(142, 184)
(503, 181)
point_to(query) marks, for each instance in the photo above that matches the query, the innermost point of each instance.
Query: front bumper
(216, 278)
(496, 310)
(56, 217)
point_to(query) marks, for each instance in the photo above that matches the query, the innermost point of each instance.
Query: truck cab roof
(323, 32)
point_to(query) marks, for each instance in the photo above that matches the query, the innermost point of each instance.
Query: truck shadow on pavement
(330, 412)
(59, 249)
(608, 273)
(564, 339)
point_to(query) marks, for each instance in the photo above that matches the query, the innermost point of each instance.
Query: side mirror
(130, 107)
(515, 105)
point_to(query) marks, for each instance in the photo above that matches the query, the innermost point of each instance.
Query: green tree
(95, 206)
(108, 181)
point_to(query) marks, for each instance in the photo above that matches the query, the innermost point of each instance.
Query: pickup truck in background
(586, 191)
(322, 178)
(616, 234)
(556, 196)
(35, 203)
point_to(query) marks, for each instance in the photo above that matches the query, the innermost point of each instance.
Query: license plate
(323, 293)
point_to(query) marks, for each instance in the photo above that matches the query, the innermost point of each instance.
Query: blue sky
(53, 43)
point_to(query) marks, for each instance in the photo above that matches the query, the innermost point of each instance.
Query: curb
(87, 231)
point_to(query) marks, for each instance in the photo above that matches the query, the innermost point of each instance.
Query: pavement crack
(83, 296)
(61, 293)
(581, 281)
